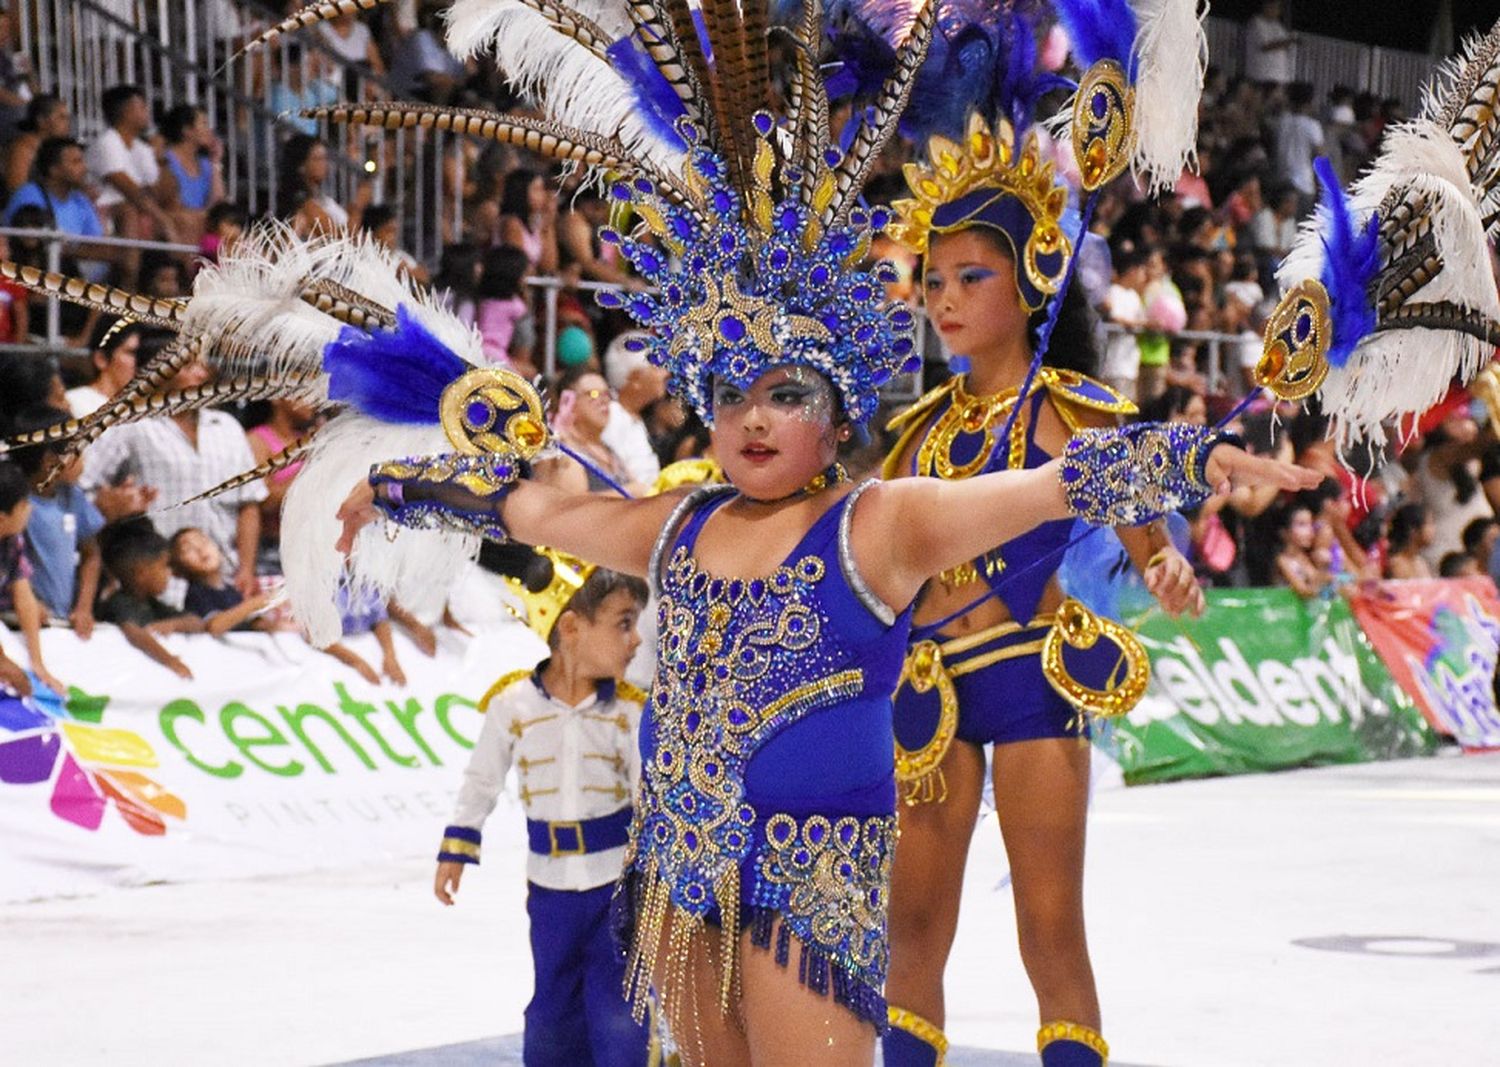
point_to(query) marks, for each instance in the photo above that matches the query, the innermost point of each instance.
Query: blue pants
(578, 1015)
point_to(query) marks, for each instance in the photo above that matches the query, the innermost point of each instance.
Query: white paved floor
(1338, 916)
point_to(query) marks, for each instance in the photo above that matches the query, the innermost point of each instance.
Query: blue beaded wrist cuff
(460, 845)
(488, 476)
(1132, 475)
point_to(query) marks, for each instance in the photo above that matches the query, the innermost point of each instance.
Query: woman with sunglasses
(580, 413)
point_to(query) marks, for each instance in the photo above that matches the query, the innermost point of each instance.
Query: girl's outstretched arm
(611, 531)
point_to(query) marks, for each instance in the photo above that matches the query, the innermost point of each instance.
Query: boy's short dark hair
(1453, 563)
(596, 589)
(16, 487)
(1474, 531)
(225, 211)
(30, 458)
(116, 98)
(126, 545)
(50, 154)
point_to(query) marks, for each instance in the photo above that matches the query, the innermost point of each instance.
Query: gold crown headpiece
(544, 608)
(991, 180)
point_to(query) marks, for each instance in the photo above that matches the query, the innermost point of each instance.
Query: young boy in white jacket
(569, 727)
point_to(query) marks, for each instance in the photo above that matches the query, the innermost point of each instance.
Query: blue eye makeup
(725, 395)
(974, 275)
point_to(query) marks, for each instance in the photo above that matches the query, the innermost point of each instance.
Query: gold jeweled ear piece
(491, 410)
(1295, 360)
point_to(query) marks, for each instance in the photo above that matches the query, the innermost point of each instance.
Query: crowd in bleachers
(1160, 274)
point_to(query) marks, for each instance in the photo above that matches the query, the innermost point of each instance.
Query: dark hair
(292, 186)
(1405, 523)
(1474, 531)
(25, 381)
(175, 124)
(39, 106)
(154, 260)
(153, 342)
(107, 343)
(225, 211)
(127, 544)
(457, 272)
(1127, 257)
(116, 99)
(1300, 94)
(513, 194)
(1192, 219)
(504, 268)
(49, 154)
(376, 216)
(1453, 563)
(14, 486)
(1174, 401)
(595, 590)
(30, 458)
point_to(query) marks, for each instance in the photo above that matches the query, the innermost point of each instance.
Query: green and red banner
(1265, 681)
(1439, 639)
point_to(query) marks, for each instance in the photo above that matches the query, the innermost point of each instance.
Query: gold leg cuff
(918, 1028)
(1062, 1030)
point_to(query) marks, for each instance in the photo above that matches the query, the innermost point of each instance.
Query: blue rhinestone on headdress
(745, 283)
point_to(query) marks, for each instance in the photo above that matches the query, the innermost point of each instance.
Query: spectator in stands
(182, 456)
(458, 278)
(305, 203)
(196, 560)
(421, 67)
(578, 238)
(223, 226)
(139, 559)
(1480, 538)
(302, 81)
(114, 361)
(16, 596)
(15, 305)
(1167, 315)
(1299, 140)
(61, 543)
(163, 276)
(350, 39)
(1126, 309)
(1411, 532)
(383, 225)
(1446, 478)
(58, 189)
(502, 307)
(637, 385)
(15, 82)
(29, 380)
(1458, 565)
(193, 180)
(1299, 564)
(1273, 231)
(1177, 404)
(47, 116)
(1270, 49)
(581, 412)
(125, 165)
(1243, 203)
(289, 420)
(528, 219)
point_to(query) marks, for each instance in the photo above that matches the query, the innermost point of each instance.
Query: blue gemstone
(608, 298)
(841, 243)
(643, 185)
(648, 261)
(879, 218)
(727, 243)
(732, 329)
(902, 346)
(723, 203)
(788, 220)
(833, 157)
(757, 589)
(478, 413)
(1100, 105)
(864, 333)
(881, 376)
(697, 264)
(611, 237)
(620, 191)
(763, 123)
(818, 275)
(862, 292)
(641, 309)
(901, 318)
(815, 833)
(682, 227)
(1304, 327)
(780, 258)
(635, 344)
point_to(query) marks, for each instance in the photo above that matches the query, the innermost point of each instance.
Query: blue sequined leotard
(989, 687)
(768, 787)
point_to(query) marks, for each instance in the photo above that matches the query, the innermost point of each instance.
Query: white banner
(274, 758)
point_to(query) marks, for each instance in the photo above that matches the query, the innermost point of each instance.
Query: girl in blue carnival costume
(997, 656)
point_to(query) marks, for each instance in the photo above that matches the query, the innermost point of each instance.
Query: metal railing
(1324, 62)
(78, 49)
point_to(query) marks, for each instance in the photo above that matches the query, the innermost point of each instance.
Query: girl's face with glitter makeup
(777, 435)
(971, 294)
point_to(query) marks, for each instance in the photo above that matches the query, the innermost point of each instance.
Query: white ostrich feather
(1171, 51)
(398, 562)
(573, 85)
(1402, 372)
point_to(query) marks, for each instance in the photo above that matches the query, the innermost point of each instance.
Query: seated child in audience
(60, 536)
(16, 596)
(198, 561)
(1299, 564)
(1458, 565)
(139, 558)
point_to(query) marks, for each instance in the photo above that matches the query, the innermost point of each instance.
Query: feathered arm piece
(1137, 102)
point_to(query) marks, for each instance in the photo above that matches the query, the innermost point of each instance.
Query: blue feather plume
(393, 375)
(1351, 258)
(661, 107)
(1100, 29)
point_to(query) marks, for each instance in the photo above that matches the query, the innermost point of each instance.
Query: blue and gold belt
(579, 837)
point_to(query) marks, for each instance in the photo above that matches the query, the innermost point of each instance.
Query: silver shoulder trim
(877, 607)
(668, 534)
